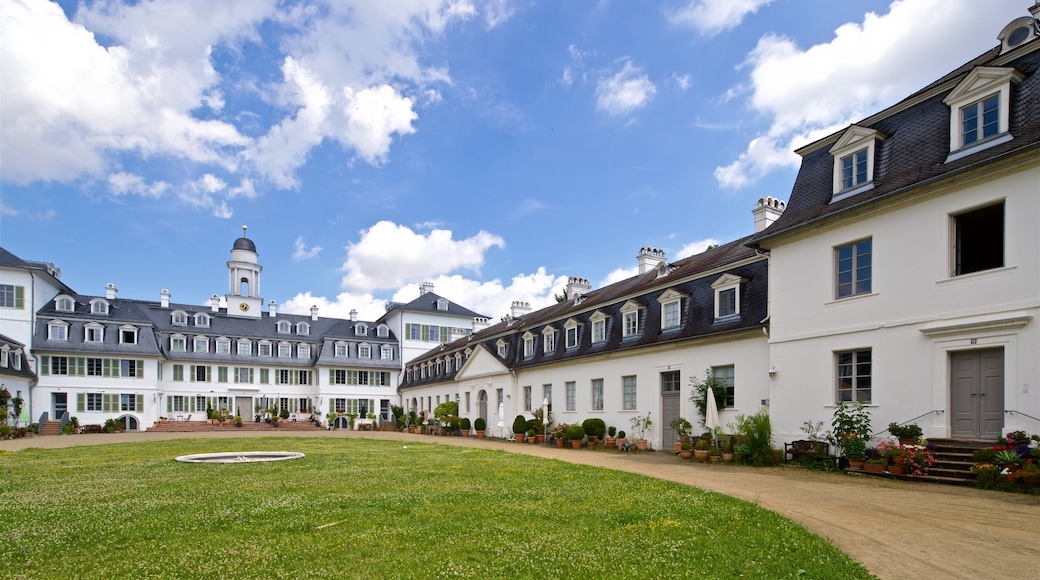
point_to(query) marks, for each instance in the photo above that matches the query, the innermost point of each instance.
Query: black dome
(244, 244)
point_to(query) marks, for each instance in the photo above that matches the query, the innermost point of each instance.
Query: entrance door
(59, 405)
(482, 406)
(977, 394)
(670, 407)
(244, 407)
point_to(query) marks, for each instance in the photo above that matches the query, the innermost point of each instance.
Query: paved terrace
(896, 529)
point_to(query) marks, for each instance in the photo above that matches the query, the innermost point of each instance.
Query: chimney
(766, 211)
(1035, 9)
(480, 323)
(214, 303)
(272, 309)
(314, 312)
(518, 308)
(649, 258)
(577, 287)
(425, 287)
(164, 298)
(111, 291)
(353, 315)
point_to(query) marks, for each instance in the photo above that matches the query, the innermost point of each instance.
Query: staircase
(952, 462)
(50, 428)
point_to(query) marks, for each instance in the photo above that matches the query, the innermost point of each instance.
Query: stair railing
(932, 412)
(64, 421)
(1014, 412)
(43, 419)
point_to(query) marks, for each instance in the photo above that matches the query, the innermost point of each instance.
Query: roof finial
(244, 228)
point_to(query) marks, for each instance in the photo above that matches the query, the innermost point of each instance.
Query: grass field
(359, 508)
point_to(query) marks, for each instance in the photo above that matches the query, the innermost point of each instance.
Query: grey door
(482, 405)
(244, 408)
(60, 404)
(671, 407)
(977, 394)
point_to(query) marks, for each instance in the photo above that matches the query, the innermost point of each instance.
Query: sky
(493, 148)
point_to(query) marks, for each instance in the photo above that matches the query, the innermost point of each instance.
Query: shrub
(284, 413)
(535, 425)
(702, 444)
(480, 424)
(519, 425)
(621, 435)
(850, 429)
(464, 424)
(908, 431)
(575, 432)
(681, 427)
(982, 455)
(611, 431)
(699, 393)
(756, 434)
(594, 428)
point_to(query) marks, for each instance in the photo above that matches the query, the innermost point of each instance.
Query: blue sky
(493, 148)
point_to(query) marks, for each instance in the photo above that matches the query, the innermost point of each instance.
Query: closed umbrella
(711, 416)
(545, 415)
(501, 419)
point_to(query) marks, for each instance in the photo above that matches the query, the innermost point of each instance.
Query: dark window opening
(979, 239)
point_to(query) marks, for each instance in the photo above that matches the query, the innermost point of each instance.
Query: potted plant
(701, 449)
(531, 437)
(682, 431)
(686, 450)
(519, 428)
(726, 446)
(622, 439)
(238, 420)
(558, 433)
(875, 461)
(641, 424)
(464, 425)
(907, 434)
(480, 425)
(575, 433)
(611, 437)
(850, 430)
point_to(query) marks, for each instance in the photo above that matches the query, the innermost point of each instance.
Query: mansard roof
(428, 303)
(913, 146)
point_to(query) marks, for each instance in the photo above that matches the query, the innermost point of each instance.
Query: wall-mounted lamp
(772, 372)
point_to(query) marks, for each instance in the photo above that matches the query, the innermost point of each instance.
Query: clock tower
(243, 297)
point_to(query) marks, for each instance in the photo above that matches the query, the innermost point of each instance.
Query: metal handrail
(932, 412)
(1014, 412)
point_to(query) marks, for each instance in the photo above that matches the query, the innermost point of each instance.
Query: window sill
(853, 298)
(976, 275)
(978, 146)
(847, 193)
(865, 405)
(727, 319)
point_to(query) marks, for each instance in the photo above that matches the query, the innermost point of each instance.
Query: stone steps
(50, 428)
(952, 465)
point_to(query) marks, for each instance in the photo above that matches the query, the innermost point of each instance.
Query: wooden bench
(795, 450)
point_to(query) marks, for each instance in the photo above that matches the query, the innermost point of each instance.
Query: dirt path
(896, 529)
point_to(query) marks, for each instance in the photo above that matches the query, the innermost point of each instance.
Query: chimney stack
(272, 309)
(425, 287)
(111, 291)
(480, 323)
(649, 258)
(577, 287)
(766, 211)
(519, 308)
(353, 315)
(314, 312)
(164, 298)
(214, 303)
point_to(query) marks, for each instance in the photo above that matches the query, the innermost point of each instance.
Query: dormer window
(57, 330)
(528, 345)
(303, 351)
(442, 304)
(630, 319)
(599, 327)
(979, 110)
(284, 327)
(263, 348)
(93, 332)
(727, 296)
(549, 339)
(1018, 32)
(854, 154)
(223, 345)
(386, 352)
(303, 329)
(383, 331)
(341, 350)
(503, 348)
(200, 344)
(284, 350)
(16, 359)
(99, 306)
(202, 320)
(671, 309)
(245, 347)
(127, 335)
(178, 343)
(361, 330)
(179, 318)
(570, 333)
(364, 351)
(64, 304)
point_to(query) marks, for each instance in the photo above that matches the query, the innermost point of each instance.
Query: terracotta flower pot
(678, 446)
(856, 463)
(641, 444)
(560, 442)
(701, 455)
(576, 443)
(896, 468)
(519, 437)
(874, 467)
(611, 442)
(480, 434)
(686, 454)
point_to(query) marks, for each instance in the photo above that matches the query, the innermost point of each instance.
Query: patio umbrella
(711, 415)
(545, 415)
(425, 417)
(24, 418)
(501, 418)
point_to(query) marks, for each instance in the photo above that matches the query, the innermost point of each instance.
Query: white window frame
(383, 331)
(224, 343)
(58, 330)
(303, 350)
(631, 323)
(856, 139)
(722, 284)
(571, 333)
(128, 330)
(599, 327)
(99, 306)
(502, 347)
(64, 303)
(364, 351)
(264, 345)
(93, 328)
(549, 340)
(284, 327)
(244, 345)
(854, 374)
(361, 330)
(284, 350)
(671, 303)
(528, 344)
(200, 340)
(982, 83)
(341, 350)
(629, 393)
(202, 320)
(571, 389)
(386, 352)
(178, 343)
(855, 268)
(179, 318)
(303, 329)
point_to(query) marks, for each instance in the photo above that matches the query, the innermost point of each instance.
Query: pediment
(981, 80)
(855, 135)
(726, 280)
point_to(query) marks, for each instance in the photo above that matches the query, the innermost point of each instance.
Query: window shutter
(45, 365)
(76, 366)
(140, 369)
(19, 297)
(330, 376)
(250, 376)
(444, 334)
(332, 405)
(106, 367)
(80, 401)
(425, 332)
(169, 403)
(191, 368)
(209, 375)
(140, 403)
(235, 370)
(106, 402)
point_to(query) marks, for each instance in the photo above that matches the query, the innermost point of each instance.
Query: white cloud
(710, 17)
(682, 81)
(625, 91)
(373, 116)
(301, 252)
(390, 255)
(122, 183)
(694, 248)
(497, 12)
(618, 275)
(368, 306)
(810, 93)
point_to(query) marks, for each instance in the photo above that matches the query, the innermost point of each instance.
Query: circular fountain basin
(240, 457)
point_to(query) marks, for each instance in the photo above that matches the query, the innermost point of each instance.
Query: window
(244, 375)
(95, 368)
(364, 351)
(223, 346)
(527, 398)
(630, 319)
(671, 309)
(724, 378)
(178, 372)
(854, 376)
(281, 376)
(339, 406)
(503, 348)
(979, 112)
(303, 377)
(727, 302)
(572, 395)
(94, 333)
(599, 330)
(93, 401)
(597, 394)
(383, 331)
(130, 368)
(264, 349)
(413, 331)
(571, 337)
(179, 318)
(547, 394)
(303, 351)
(265, 376)
(978, 239)
(284, 327)
(12, 296)
(64, 304)
(202, 320)
(341, 350)
(467, 402)
(337, 377)
(222, 374)
(303, 404)
(201, 373)
(386, 353)
(59, 365)
(200, 344)
(98, 306)
(284, 350)
(131, 403)
(361, 330)
(853, 269)
(670, 382)
(854, 169)
(303, 328)
(127, 335)
(245, 347)
(57, 330)
(549, 344)
(671, 315)
(980, 120)
(442, 304)
(528, 345)
(177, 344)
(628, 392)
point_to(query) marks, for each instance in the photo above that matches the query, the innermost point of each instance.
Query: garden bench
(795, 450)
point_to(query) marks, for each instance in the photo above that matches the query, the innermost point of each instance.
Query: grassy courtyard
(359, 508)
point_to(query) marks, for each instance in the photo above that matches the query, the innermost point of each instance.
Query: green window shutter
(140, 404)
(425, 335)
(209, 374)
(265, 376)
(45, 365)
(331, 376)
(332, 406)
(235, 372)
(169, 403)
(106, 402)
(158, 370)
(76, 366)
(80, 402)
(444, 334)
(140, 369)
(19, 297)
(250, 376)
(222, 374)
(106, 367)
(190, 405)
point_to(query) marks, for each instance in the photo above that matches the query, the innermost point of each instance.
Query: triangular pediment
(631, 306)
(980, 81)
(853, 136)
(727, 280)
(481, 363)
(670, 295)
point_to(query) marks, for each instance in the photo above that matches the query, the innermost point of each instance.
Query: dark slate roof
(25, 372)
(12, 261)
(914, 150)
(428, 303)
(9, 260)
(244, 244)
(691, 276)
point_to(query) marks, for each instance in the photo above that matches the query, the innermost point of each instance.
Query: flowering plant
(557, 431)
(850, 429)
(853, 446)
(916, 459)
(888, 450)
(1015, 438)
(908, 431)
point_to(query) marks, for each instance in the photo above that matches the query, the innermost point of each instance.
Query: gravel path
(896, 529)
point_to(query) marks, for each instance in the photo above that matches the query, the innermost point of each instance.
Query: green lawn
(357, 508)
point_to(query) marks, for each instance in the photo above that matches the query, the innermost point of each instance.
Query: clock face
(243, 307)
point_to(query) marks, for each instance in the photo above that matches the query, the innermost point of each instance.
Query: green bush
(519, 425)
(480, 424)
(756, 435)
(621, 435)
(611, 431)
(594, 427)
(284, 413)
(464, 424)
(575, 432)
(982, 455)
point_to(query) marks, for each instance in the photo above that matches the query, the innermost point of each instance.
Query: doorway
(482, 403)
(244, 407)
(59, 405)
(977, 394)
(671, 407)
